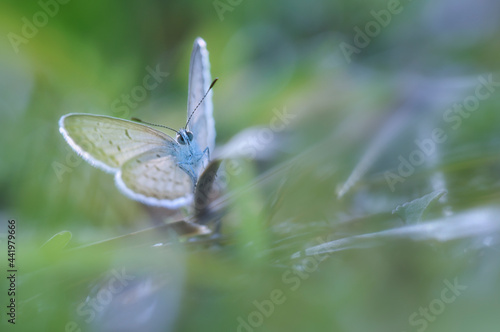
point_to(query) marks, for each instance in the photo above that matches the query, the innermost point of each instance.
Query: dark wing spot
(127, 134)
(119, 149)
(157, 155)
(110, 143)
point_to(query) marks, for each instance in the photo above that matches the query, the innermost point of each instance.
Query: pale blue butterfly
(150, 166)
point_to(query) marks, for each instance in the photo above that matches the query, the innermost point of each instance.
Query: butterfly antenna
(153, 124)
(206, 93)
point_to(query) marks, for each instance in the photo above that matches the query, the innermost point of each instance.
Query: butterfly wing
(107, 142)
(203, 191)
(202, 123)
(154, 178)
(144, 159)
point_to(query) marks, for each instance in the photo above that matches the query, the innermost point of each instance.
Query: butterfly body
(149, 165)
(189, 154)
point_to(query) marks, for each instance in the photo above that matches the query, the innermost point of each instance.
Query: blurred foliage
(349, 118)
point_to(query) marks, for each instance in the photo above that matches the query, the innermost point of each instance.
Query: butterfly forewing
(201, 124)
(155, 178)
(108, 142)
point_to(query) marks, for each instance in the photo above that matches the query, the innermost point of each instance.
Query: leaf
(478, 223)
(412, 212)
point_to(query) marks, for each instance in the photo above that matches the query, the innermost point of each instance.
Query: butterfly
(150, 166)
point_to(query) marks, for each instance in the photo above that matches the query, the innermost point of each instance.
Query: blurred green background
(312, 237)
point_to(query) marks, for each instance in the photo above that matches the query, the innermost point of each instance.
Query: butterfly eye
(180, 139)
(190, 136)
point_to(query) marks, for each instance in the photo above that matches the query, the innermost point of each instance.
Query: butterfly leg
(188, 168)
(188, 165)
(202, 155)
(207, 152)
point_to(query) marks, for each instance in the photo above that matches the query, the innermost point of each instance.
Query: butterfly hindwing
(155, 178)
